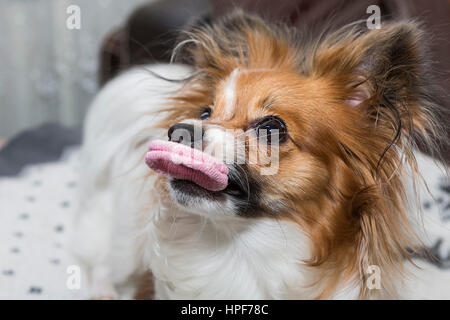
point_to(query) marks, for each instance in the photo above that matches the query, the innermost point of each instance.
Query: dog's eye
(269, 126)
(206, 113)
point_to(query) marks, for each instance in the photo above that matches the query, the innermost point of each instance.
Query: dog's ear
(384, 77)
(384, 72)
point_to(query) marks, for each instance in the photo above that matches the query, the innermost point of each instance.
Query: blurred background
(51, 73)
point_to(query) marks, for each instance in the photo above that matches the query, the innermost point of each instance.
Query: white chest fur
(192, 257)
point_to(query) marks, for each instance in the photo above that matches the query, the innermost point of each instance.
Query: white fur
(230, 94)
(123, 228)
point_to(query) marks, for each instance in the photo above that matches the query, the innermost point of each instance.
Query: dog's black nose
(185, 133)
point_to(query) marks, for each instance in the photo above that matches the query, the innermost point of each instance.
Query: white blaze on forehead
(230, 90)
(230, 94)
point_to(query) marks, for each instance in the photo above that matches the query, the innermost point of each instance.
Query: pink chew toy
(182, 162)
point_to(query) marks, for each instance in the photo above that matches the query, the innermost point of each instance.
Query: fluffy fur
(354, 103)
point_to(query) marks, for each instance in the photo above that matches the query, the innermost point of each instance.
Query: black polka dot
(24, 216)
(59, 228)
(30, 198)
(55, 261)
(427, 205)
(8, 272)
(18, 234)
(65, 204)
(37, 183)
(35, 290)
(445, 188)
(15, 250)
(71, 184)
(439, 200)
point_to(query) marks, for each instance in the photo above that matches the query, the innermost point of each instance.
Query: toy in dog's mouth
(182, 162)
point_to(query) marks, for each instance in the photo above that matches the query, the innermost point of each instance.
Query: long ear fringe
(404, 102)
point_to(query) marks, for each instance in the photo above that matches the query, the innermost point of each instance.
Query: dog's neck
(197, 257)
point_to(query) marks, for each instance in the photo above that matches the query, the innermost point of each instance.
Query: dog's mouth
(193, 173)
(194, 190)
(182, 162)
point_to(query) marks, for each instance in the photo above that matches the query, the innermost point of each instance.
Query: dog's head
(314, 132)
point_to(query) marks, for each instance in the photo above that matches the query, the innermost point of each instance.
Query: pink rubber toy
(182, 162)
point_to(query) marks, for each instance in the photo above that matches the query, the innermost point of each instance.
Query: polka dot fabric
(36, 212)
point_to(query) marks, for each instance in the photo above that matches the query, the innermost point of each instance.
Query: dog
(343, 113)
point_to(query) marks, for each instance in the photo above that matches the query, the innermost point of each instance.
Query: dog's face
(276, 118)
(311, 133)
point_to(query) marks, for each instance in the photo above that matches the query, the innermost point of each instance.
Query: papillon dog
(343, 113)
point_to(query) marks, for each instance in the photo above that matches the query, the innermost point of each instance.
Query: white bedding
(36, 209)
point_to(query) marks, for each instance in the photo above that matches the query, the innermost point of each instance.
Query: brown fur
(340, 175)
